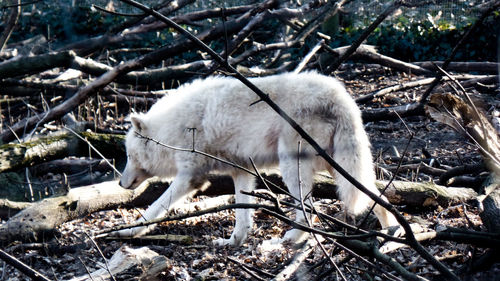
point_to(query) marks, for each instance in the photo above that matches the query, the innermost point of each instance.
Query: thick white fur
(228, 127)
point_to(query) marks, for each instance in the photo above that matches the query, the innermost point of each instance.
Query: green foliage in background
(405, 37)
(410, 40)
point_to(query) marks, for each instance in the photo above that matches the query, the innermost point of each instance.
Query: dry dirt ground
(72, 253)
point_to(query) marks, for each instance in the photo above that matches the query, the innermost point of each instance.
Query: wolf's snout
(124, 183)
(128, 178)
(132, 177)
(121, 184)
(130, 182)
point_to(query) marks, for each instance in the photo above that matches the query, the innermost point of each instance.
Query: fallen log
(469, 79)
(392, 113)
(369, 53)
(42, 218)
(30, 65)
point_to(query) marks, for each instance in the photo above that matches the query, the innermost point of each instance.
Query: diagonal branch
(322, 153)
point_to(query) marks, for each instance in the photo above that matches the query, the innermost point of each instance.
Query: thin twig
(102, 255)
(298, 259)
(309, 56)
(400, 162)
(86, 268)
(97, 7)
(362, 259)
(308, 218)
(224, 161)
(467, 98)
(22, 4)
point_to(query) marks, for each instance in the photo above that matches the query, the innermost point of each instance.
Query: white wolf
(228, 126)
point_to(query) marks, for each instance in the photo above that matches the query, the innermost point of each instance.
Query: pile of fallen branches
(101, 103)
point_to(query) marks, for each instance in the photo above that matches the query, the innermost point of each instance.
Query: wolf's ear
(138, 123)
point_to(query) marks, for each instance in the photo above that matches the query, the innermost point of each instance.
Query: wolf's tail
(351, 150)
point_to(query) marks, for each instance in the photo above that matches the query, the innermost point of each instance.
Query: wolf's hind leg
(297, 172)
(244, 217)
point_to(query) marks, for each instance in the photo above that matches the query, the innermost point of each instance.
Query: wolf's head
(136, 170)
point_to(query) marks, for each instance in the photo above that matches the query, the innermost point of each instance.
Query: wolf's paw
(237, 239)
(291, 238)
(223, 242)
(271, 245)
(294, 236)
(400, 232)
(131, 232)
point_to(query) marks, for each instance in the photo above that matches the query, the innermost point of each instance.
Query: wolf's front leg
(180, 187)
(158, 209)
(244, 217)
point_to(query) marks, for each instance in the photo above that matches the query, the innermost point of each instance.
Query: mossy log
(18, 155)
(411, 194)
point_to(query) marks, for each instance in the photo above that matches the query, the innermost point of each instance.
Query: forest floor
(198, 259)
